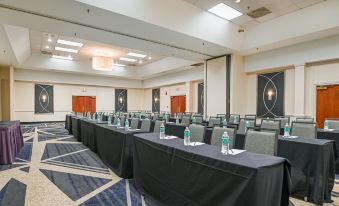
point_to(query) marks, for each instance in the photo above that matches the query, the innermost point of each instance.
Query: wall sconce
(44, 97)
(84, 89)
(156, 99)
(120, 100)
(270, 94)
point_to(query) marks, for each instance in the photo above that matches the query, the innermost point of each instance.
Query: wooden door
(83, 104)
(327, 103)
(178, 104)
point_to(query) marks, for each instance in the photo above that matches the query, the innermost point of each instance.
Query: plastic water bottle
(162, 131)
(286, 130)
(166, 117)
(225, 144)
(235, 119)
(247, 125)
(177, 120)
(109, 120)
(118, 122)
(194, 120)
(207, 118)
(187, 137)
(224, 123)
(126, 125)
(326, 124)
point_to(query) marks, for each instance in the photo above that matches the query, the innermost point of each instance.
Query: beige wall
(24, 100)
(238, 86)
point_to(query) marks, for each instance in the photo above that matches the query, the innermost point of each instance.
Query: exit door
(327, 103)
(84, 104)
(178, 104)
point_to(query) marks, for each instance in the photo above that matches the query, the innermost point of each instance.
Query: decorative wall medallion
(270, 101)
(44, 100)
(201, 98)
(155, 100)
(121, 100)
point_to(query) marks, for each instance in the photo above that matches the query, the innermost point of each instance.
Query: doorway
(327, 103)
(178, 104)
(84, 104)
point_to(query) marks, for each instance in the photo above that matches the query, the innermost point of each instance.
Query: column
(299, 92)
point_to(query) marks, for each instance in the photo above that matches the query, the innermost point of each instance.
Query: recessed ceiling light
(224, 11)
(49, 40)
(66, 49)
(119, 65)
(136, 55)
(237, 1)
(149, 58)
(47, 47)
(70, 43)
(140, 62)
(128, 59)
(62, 57)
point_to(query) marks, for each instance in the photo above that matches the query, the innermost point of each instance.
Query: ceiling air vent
(259, 12)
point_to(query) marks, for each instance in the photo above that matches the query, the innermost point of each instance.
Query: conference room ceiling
(276, 7)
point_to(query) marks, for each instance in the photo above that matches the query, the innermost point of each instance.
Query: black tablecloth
(68, 123)
(11, 141)
(177, 175)
(313, 165)
(88, 133)
(76, 129)
(115, 148)
(331, 135)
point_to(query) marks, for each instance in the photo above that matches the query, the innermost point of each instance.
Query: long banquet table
(313, 165)
(11, 141)
(177, 175)
(68, 123)
(115, 148)
(313, 162)
(88, 133)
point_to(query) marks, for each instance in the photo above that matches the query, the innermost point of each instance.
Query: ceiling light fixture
(237, 1)
(127, 59)
(136, 55)
(224, 11)
(62, 57)
(66, 49)
(47, 47)
(70, 43)
(49, 40)
(149, 58)
(102, 63)
(140, 62)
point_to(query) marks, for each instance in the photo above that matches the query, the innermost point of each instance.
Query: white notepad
(171, 137)
(196, 143)
(235, 151)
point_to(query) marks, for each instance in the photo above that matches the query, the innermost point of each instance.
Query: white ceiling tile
(206, 4)
(275, 6)
(267, 17)
(287, 10)
(250, 24)
(242, 19)
(245, 6)
(307, 3)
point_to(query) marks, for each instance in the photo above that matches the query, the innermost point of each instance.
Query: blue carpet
(115, 195)
(25, 153)
(54, 150)
(29, 141)
(73, 185)
(86, 160)
(25, 169)
(70, 139)
(45, 137)
(8, 167)
(13, 193)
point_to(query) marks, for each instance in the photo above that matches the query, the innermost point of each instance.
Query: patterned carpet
(54, 169)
